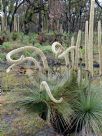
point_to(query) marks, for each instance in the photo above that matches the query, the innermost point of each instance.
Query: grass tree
(87, 110)
(71, 108)
(100, 47)
(49, 100)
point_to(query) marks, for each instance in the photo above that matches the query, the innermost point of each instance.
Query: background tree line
(46, 15)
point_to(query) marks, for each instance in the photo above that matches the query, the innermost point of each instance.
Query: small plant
(1, 133)
(33, 38)
(6, 46)
(46, 49)
(14, 36)
(4, 37)
(2, 57)
(41, 38)
(25, 39)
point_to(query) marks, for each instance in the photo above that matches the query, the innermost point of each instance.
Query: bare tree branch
(98, 4)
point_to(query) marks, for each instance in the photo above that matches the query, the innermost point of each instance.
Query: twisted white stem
(37, 50)
(57, 48)
(10, 68)
(67, 51)
(45, 86)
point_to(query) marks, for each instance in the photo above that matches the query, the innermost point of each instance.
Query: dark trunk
(40, 17)
(63, 127)
(40, 22)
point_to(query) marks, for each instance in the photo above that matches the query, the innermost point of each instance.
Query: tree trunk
(40, 17)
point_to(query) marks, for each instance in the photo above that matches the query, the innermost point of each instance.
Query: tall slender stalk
(15, 23)
(5, 22)
(86, 46)
(78, 48)
(91, 25)
(1, 6)
(72, 52)
(99, 47)
(18, 21)
(3, 19)
(2, 22)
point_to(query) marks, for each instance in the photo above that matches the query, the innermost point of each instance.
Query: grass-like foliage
(88, 111)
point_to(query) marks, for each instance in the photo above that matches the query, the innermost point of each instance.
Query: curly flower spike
(59, 51)
(8, 57)
(45, 86)
(37, 50)
(67, 51)
(65, 54)
(10, 68)
(25, 59)
(55, 50)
